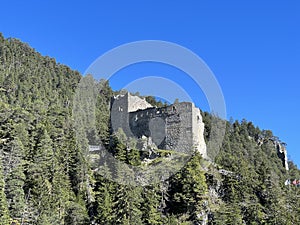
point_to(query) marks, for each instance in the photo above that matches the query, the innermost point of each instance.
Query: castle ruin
(176, 127)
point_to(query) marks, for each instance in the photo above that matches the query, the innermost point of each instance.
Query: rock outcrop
(280, 148)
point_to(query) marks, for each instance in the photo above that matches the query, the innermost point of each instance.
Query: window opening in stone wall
(174, 109)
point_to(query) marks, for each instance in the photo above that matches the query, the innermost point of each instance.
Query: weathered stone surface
(177, 127)
(282, 153)
(280, 147)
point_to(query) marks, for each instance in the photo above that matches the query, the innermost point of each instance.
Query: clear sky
(253, 47)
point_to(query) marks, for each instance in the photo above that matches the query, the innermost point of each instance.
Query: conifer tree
(104, 200)
(150, 206)
(189, 190)
(4, 213)
(15, 181)
(127, 205)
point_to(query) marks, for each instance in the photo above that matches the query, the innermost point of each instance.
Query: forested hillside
(46, 177)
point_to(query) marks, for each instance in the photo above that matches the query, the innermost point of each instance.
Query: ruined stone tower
(176, 127)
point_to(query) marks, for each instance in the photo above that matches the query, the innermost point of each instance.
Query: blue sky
(252, 47)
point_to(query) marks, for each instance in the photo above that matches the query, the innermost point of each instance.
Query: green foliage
(15, 180)
(46, 176)
(104, 201)
(76, 214)
(120, 146)
(127, 205)
(151, 100)
(4, 213)
(254, 193)
(151, 205)
(189, 191)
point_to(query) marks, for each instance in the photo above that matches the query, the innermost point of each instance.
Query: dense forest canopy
(47, 177)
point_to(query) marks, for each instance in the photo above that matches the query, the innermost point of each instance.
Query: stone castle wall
(177, 127)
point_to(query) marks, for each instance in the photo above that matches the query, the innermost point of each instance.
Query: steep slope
(46, 176)
(254, 189)
(42, 165)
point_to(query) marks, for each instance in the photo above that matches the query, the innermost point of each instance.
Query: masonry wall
(119, 113)
(121, 105)
(170, 127)
(177, 127)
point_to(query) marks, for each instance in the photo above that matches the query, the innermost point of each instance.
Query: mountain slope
(47, 178)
